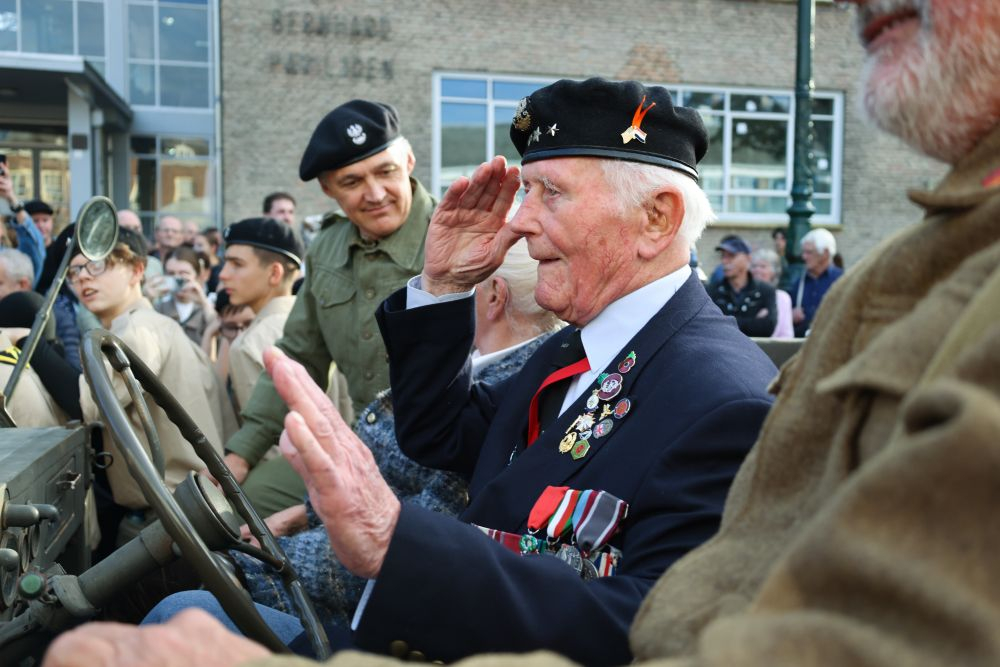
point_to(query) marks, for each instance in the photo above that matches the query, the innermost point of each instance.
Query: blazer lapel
(542, 464)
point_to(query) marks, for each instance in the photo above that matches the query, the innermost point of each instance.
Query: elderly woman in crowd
(765, 265)
(509, 328)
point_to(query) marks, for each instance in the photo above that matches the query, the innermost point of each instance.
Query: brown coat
(862, 529)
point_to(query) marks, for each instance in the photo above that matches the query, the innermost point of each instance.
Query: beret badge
(357, 134)
(522, 117)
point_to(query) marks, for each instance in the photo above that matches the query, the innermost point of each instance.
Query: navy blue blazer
(698, 401)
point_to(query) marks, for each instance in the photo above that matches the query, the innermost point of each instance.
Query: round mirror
(97, 228)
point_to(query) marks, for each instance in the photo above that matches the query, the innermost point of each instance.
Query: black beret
(610, 119)
(37, 206)
(267, 234)
(132, 240)
(348, 134)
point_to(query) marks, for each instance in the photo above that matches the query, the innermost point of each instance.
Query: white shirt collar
(605, 335)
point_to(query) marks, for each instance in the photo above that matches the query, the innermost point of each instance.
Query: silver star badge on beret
(535, 136)
(552, 129)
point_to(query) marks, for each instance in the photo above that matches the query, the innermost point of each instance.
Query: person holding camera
(27, 237)
(182, 295)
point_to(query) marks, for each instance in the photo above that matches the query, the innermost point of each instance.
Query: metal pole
(802, 207)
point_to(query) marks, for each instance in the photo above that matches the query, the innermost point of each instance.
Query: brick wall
(280, 76)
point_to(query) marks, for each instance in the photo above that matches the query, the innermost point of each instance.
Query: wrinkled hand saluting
(468, 235)
(356, 505)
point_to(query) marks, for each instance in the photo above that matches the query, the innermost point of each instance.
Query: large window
(65, 27)
(169, 53)
(747, 172)
(171, 176)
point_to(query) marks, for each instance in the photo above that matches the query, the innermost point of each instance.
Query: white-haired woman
(765, 265)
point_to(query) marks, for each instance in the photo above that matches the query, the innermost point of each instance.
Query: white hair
(771, 257)
(17, 264)
(823, 240)
(634, 181)
(520, 272)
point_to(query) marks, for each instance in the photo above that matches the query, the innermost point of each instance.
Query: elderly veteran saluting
(584, 491)
(359, 258)
(596, 452)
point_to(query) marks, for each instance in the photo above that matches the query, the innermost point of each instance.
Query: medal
(610, 386)
(585, 435)
(622, 407)
(600, 522)
(567, 442)
(580, 450)
(588, 570)
(529, 544)
(606, 563)
(571, 556)
(592, 401)
(606, 411)
(603, 428)
(627, 363)
(562, 518)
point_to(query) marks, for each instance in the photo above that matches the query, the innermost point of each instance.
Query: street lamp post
(802, 207)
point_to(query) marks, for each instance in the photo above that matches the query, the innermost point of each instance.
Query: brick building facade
(285, 63)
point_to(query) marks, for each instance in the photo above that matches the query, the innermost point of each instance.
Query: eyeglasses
(94, 268)
(231, 330)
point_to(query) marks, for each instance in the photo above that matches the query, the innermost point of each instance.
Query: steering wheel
(99, 344)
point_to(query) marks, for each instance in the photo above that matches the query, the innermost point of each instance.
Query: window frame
(728, 115)
(207, 218)
(156, 62)
(99, 62)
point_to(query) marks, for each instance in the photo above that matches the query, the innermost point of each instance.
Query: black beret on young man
(266, 234)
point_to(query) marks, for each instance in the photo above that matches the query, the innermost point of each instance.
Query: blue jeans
(285, 626)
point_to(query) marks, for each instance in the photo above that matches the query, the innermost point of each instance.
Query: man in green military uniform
(359, 258)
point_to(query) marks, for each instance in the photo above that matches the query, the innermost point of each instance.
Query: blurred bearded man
(861, 529)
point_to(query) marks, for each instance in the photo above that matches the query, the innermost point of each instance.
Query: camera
(171, 284)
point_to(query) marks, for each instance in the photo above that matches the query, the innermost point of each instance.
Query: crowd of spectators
(758, 288)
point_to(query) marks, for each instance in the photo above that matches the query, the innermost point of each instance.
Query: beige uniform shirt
(32, 406)
(246, 354)
(187, 373)
(246, 357)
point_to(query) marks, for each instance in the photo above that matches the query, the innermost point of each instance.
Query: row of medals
(598, 418)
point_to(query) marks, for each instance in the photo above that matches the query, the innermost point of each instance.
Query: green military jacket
(333, 319)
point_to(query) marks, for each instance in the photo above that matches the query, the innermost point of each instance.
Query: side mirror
(97, 228)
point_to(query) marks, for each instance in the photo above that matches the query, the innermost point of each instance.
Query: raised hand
(467, 237)
(356, 505)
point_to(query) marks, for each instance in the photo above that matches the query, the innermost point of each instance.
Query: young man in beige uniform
(111, 289)
(263, 258)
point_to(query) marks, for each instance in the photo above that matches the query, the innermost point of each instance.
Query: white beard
(942, 95)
